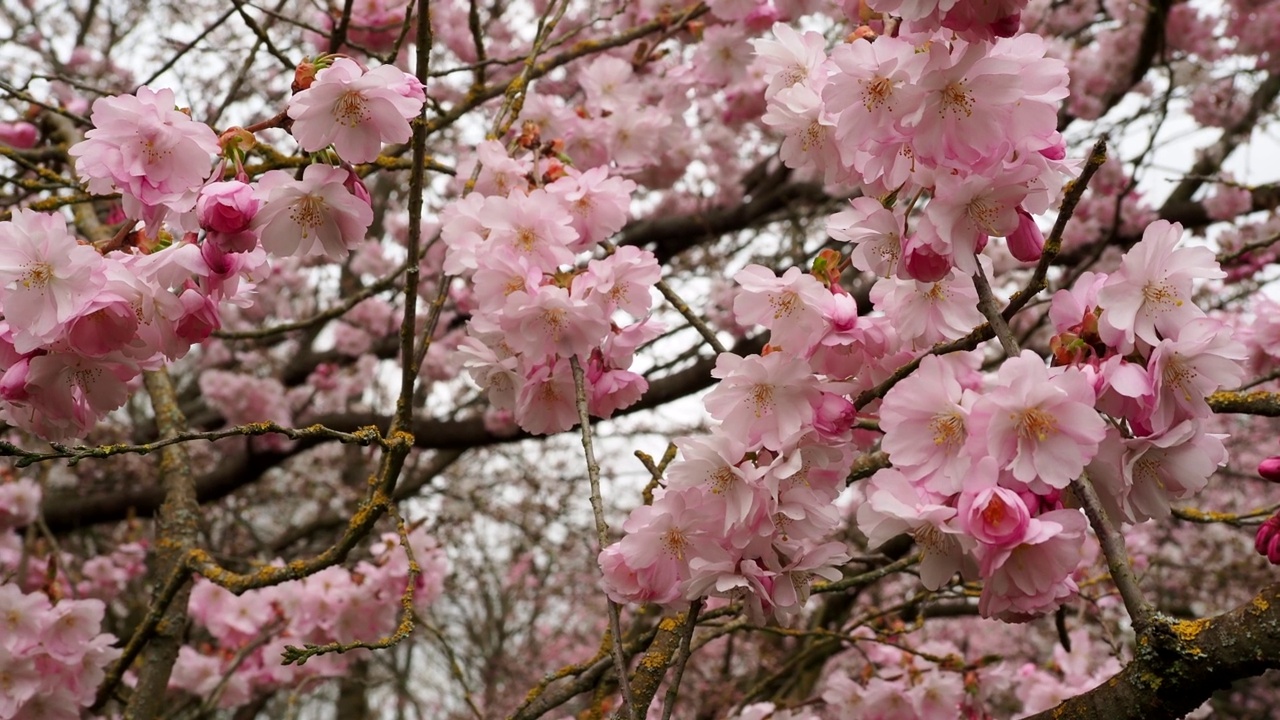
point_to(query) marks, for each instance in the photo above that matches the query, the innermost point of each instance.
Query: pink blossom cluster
(53, 655)
(981, 463)
(78, 325)
(968, 126)
(745, 512)
(374, 25)
(534, 306)
(333, 605)
(913, 679)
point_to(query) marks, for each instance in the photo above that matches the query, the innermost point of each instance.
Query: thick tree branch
(176, 530)
(1180, 664)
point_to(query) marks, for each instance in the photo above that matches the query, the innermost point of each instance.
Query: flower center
(876, 93)
(762, 398)
(351, 109)
(1035, 424)
(957, 99)
(308, 214)
(783, 303)
(812, 136)
(948, 429)
(675, 541)
(37, 276)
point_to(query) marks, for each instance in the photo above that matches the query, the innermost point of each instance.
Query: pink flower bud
(226, 207)
(21, 135)
(1027, 242)
(356, 186)
(1006, 26)
(996, 516)
(1267, 542)
(921, 263)
(1269, 469)
(13, 384)
(199, 318)
(1057, 151)
(762, 17)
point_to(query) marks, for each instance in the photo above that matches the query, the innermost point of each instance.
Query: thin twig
(1113, 548)
(602, 527)
(987, 304)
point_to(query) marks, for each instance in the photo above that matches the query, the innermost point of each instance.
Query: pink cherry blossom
(1034, 578)
(550, 322)
(534, 225)
(875, 231)
(598, 204)
(154, 155)
(925, 424)
(225, 210)
(546, 401)
(790, 59)
(767, 400)
(1150, 295)
(622, 280)
(314, 215)
(46, 276)
(1039, 425)
(876, 91)
(791, 306)
(994, 515)
(1200, 359)
(808, 131)
(895, 506)
(924, 313)
(355, 111)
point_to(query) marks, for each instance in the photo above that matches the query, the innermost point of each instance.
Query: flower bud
(1027, 242)
(21, 135)
(1269, 469)
(921, 263)
(1267, 541)
(226, 207)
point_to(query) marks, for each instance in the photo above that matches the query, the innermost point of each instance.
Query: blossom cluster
(80, 324)
(250, 632)
(53, 653)
(533, 307)
(968, 128)
(982, 465)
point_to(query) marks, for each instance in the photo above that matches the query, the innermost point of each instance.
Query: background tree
(750, 359)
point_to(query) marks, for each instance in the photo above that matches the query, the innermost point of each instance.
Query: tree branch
(1182, 663)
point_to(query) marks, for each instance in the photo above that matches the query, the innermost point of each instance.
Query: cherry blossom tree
(790, 359)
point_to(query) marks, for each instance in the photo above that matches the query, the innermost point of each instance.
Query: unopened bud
(1269, 469)
(1027, 242)
(1267, 541)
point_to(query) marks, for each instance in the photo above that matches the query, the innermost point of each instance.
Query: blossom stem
(987, 304)
(698, 324)
(1113, 548)
(602, 528)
